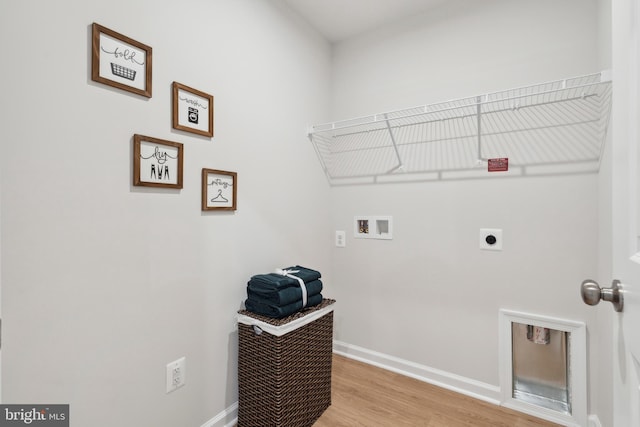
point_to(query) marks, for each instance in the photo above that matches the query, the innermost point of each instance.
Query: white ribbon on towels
(303, 287)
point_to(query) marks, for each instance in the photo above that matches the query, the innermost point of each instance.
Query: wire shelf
(559, 123)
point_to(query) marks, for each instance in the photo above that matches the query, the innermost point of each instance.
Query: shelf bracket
(479, 114)
(399, 166)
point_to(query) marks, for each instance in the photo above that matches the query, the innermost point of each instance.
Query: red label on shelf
(498, 165)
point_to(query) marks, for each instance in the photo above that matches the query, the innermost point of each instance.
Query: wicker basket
(284, 367)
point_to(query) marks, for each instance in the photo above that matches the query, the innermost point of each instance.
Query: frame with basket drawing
(219, 190)
(120, 61)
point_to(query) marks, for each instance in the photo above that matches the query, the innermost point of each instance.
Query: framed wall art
(192, 110)
(219, 190)
(120, 61)
(156, 162)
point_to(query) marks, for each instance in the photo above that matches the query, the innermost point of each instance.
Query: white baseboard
(226, 418)
(594, 421)
(476, 389)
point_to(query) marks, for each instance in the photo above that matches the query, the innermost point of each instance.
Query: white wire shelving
(553, 127)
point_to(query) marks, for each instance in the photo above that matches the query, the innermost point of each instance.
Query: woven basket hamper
(284, 381)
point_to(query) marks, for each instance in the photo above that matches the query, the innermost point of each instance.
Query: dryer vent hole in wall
(541, 367)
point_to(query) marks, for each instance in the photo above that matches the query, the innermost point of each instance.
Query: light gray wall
(464, 48)
(104, 283)
(430, 296)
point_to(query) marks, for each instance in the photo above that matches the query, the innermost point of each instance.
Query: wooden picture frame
(156, 162)
(120, 61)
(219, 190)
(192, 110)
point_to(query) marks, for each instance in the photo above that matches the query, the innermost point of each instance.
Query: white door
(626, 209)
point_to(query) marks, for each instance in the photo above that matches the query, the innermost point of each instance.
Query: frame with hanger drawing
(219, 190)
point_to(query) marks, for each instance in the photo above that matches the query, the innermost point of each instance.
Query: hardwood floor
(363, 395)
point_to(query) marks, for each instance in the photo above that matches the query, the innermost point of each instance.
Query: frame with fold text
(120, 61)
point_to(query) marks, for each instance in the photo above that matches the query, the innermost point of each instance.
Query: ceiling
(338, 20)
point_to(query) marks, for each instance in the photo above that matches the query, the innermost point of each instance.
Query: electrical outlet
(341, 239)
(176, 374)
(491, 239)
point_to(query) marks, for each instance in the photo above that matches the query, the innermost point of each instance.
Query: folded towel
(271, 282)
(306, 274)
(274, 281)
(271, 310)
(283, 296)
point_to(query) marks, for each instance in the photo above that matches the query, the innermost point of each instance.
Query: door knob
(592, 293)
